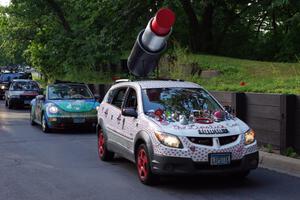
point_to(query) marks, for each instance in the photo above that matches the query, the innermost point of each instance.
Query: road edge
(279, 163)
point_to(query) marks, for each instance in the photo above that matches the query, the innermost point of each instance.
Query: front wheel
(103, 152)
(45, 127)
(143, 166)
(32, 122)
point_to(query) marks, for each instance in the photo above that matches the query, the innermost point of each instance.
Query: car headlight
(52, 109)
(3, 87)
(249, 137)
(168, 140)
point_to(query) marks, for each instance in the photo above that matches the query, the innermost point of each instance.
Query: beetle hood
(75, 105)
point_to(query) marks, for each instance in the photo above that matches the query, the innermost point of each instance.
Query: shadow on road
(193, 182)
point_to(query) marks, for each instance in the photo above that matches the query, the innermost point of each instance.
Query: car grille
(201, 140)
(208, 141)
(27, 97)
(227, 139)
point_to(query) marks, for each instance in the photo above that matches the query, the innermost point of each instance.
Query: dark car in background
(21, 92)
(6, 78)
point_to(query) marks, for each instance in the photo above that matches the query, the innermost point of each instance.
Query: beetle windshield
(174, 103)
(69, 91)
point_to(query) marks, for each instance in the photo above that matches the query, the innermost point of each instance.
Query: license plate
(78, 120)
(220, 159)
(27, 102)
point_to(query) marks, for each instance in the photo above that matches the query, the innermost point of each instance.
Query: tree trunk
(60, 14)
(194, 26)
(206, 28)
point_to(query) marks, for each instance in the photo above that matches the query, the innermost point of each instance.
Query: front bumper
(70, 122)
(176, 165)
(21, 100)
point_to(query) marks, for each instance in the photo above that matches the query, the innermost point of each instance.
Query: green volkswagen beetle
(64, 105)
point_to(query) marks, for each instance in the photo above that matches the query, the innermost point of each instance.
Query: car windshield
(25, 85)
(68, 91)
(175, 104)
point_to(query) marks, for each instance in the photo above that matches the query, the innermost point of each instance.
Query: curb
(279, 163)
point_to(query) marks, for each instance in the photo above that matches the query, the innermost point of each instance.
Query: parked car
(21, 92)
(64, 105)
(173, 127)
(6, 78)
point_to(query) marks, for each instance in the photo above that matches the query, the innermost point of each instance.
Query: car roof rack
(59, 81)
(122, 80)
(159, 79)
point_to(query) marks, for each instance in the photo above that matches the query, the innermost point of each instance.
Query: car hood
(27, 92)
(225, 128)
(75, 105)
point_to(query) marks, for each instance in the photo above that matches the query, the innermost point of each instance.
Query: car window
(118, 97)
(131, 101)
(24, 85)
(68, 91)
(171, 103)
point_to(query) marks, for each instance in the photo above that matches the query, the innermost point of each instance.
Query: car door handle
(119, 118)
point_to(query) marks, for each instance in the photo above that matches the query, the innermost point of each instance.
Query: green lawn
(267, 77)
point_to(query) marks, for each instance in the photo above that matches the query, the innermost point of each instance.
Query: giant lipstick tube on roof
(150, 43)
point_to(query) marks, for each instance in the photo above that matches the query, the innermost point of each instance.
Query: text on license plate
(220, 159)
(27, 102)
(78, 120)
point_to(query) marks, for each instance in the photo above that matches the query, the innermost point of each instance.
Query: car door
(128, 125)
(114, 117)
(39, 101)
(8, 92)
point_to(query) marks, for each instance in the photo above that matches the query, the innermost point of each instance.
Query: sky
(4, 2)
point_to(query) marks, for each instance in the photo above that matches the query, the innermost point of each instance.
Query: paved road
(38, 166)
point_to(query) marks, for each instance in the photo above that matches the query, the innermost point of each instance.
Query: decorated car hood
(224, 128)
(75, 105)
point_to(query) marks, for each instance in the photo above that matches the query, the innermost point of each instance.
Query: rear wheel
(143, 166)
(103, 152)
(45, 127)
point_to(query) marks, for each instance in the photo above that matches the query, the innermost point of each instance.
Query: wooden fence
(274, 117)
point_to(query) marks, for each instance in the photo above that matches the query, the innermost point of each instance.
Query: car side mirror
(129, 112)
(40, 97)
(228, 109)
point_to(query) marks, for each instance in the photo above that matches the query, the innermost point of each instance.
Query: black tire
(103, 153)
(6, 105)
(143, 163)
(45, 127)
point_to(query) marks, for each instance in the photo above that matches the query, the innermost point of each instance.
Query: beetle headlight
(53, 109)
(168, 139)
(249, 137)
